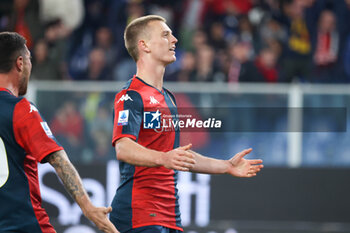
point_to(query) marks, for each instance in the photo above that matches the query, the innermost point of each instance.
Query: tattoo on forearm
(67, 174)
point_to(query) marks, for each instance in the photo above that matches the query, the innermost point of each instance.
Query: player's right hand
(179, 159)
(98, 215)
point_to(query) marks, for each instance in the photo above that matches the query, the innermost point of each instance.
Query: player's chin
(173, 59)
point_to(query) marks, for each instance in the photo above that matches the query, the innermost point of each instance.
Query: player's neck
(7, 82)
(151, 74)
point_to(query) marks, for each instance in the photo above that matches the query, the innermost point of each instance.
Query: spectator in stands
(187, 70)
(288, 27)
(44, 68)
(239, 53)
(325, 55)
(247, 34)
(266, 65)
(246, 31)
(229, 12)
(68, 126)
(272, 34)
(206, 71)
(104, 41)
(223, 63)
(25, 20)
(56, 39)
(217, 36)
(97, 68)
(296, 62)
(199, 39)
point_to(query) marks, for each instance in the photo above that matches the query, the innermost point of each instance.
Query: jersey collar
(160, 91)
(5, 89)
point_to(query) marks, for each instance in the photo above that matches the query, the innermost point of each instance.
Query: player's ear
(19, 63)
(143, 46)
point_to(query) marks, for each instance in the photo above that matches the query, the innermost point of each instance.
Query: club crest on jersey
(151, 120)
(33, 109)
(46, 128)
(124, 98)
(123, 117)
(153, 100)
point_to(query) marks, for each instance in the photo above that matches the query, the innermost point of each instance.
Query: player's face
(162, 42)
(24, 78)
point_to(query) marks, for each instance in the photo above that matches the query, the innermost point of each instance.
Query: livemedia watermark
(246, 119)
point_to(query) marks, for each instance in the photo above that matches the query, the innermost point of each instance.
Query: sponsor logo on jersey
(125, 97)
(33, 109)
(153, 100)
(46, 128)
(123, 117)
(151, 120)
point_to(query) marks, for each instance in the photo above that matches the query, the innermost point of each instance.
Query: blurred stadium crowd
(271, 41)
(219, 41)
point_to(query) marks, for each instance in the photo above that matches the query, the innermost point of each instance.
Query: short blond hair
(133, 31)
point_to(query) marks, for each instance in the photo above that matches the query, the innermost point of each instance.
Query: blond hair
(134, 30)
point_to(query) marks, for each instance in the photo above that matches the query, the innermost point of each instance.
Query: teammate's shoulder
(25, 106)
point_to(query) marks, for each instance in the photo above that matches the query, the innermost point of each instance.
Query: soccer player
(25, 140)
(147, 200)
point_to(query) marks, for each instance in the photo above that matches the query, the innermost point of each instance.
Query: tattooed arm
(73, 184)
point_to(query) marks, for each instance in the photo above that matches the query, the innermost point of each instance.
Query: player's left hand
(98, 215)
(241, 167)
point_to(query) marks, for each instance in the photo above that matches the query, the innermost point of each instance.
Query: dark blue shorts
(153, 229)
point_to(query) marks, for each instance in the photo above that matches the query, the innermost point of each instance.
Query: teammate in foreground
(25, 140)
(146, 200)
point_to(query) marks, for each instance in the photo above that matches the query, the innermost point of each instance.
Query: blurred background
(232, 54)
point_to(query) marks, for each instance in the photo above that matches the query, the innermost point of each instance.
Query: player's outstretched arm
(133, 153)
(73, 184)
(236, 166)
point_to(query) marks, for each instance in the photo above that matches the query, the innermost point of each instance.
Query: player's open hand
(241, 167)
(98, 215)
(179, 159)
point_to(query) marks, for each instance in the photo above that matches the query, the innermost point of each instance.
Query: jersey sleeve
(128, 110)
(32, 132)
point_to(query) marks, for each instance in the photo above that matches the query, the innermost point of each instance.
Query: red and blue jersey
(25, 140)
(146, 195)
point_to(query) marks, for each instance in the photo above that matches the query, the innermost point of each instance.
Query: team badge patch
(151, 120)
(123, 117)
(46, 129)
